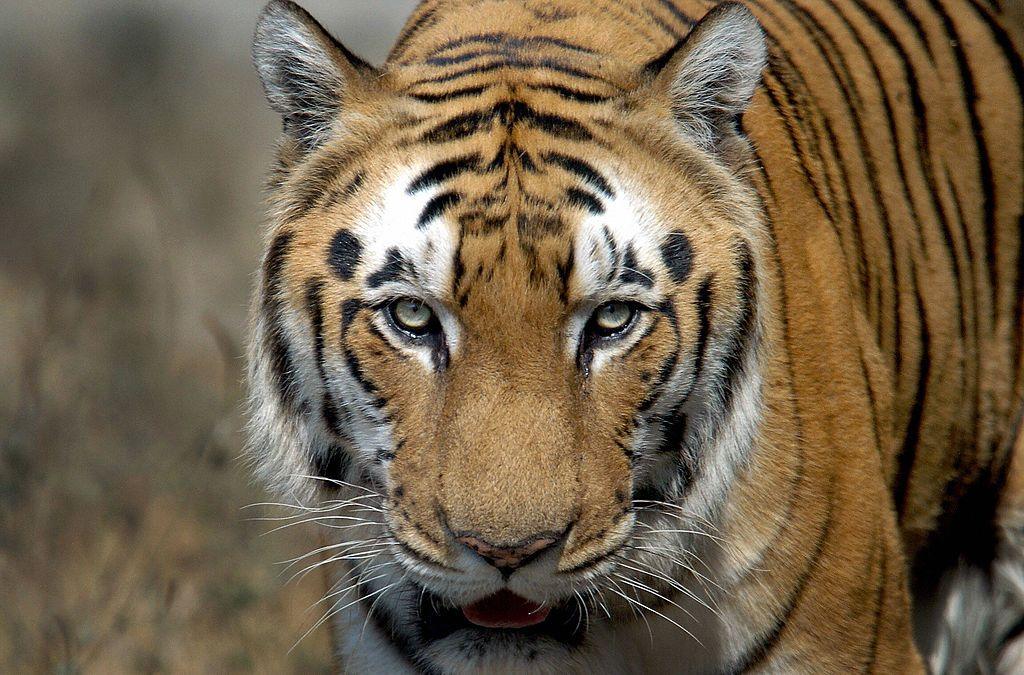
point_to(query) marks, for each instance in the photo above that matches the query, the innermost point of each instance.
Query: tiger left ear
(710, 76)
(307, 75)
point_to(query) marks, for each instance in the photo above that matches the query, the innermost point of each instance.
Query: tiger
(651, 336)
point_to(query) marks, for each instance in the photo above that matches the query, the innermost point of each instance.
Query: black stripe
(911, 438)
(793, 132)
(443, 171)
(465, 56)
(879, 24)
(677, 254)
(632, 273)
(682, 18)
(969, 263)
(332, 463)
(281, 364)
(346, 192)
(445, 96)
(349, 309)
(519, 64)
(704, 299)
(570, 93)
(395, 268)
(872, 402)
(273, 264)
(879, 203)
(732, 362)
(316, 315)
(584, 200)
(582, 169)
(919, 126)
(344, 254)
(424, 20)
(508, 112)
(668, 366)
(921, 134)
(355, 368)
(458, 127)
(436, 206)
(510, 41)
(564, 270)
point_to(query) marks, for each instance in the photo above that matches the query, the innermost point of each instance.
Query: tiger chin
(612, 337)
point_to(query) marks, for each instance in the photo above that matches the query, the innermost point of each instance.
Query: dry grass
(133, 139)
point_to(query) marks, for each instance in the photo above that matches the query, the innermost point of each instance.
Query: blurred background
(133, 144)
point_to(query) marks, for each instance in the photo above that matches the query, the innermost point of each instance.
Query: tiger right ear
(306, 73)
(710, 76)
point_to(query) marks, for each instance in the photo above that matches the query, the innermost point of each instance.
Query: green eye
(612, 318)
(413, 316)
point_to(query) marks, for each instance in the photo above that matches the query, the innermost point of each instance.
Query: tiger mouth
(505, 609)
(501, 615)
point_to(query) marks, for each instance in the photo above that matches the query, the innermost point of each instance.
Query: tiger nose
(507, 558)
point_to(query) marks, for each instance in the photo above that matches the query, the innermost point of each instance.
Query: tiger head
(518, 304)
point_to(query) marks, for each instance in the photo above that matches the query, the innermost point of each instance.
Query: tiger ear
(710, 75)
(307, 74)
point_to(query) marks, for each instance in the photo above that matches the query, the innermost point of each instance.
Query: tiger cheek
(617, 394)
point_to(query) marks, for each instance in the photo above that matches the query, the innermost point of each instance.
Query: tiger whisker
(632, 606)
(335, 481)
(335, 610)
(322, 521)
(674, 584)
(361, 555)
(346, 545)
(667, 554)
(640, 586)
(651, 609)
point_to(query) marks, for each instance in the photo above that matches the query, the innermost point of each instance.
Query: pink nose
(507, 558)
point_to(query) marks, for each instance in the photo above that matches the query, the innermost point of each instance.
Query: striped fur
(802, 455)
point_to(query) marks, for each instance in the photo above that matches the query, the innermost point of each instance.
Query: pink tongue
(505, 609)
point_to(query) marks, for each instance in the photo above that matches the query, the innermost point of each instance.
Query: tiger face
(521, 314)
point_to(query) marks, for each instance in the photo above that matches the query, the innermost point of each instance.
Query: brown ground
(133, 140)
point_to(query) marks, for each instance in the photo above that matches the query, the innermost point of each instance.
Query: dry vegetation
(133, 139)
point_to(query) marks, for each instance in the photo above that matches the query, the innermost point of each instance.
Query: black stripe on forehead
(583, 170)
(553, 65)
(437, 206)
(584, 200)
(512, 41)
(507, 113)
(630, 271)
(396, 268)
(443, 171)
(677, 254)
(445, 96)
(613, 252)
(344, 254)
(568, 93)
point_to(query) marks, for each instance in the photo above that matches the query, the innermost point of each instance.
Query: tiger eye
(612, 317)
(412, 315)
